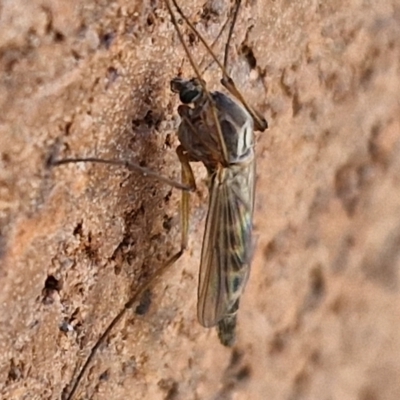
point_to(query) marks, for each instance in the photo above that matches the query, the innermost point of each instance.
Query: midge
(219, 132)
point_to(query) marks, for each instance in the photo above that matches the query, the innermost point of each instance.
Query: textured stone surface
(320, 317)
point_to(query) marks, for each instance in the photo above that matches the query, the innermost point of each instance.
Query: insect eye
(189, 95)
(189, 90)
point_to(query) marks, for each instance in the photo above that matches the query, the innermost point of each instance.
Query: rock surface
(320, 318)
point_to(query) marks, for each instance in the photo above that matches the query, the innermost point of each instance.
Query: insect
(218, 131)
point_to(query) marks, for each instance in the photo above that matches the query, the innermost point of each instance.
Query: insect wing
(226, 253)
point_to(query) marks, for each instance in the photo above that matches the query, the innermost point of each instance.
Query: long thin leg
(230, 33)
(260, 122)
(197, 72)
(204, 69)
(189, 184)
(194, 30)
(188, 178)
(126, 164)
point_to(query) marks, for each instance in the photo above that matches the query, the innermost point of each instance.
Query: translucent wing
(226, 253)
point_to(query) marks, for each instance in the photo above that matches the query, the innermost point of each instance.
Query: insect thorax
(198, 132)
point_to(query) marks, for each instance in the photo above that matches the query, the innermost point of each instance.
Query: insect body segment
(225, 259)
(198, 132)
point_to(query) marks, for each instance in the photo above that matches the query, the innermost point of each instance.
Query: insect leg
(126, 164)
(212, 45)
(230, 33)
(187, 185)
(196, 70)
(260, 122)
(135, 298)
(188, 179)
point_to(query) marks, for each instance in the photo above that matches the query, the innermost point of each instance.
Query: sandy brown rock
(320, 318)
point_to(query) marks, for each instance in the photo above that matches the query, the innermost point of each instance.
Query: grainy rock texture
(320, 318)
